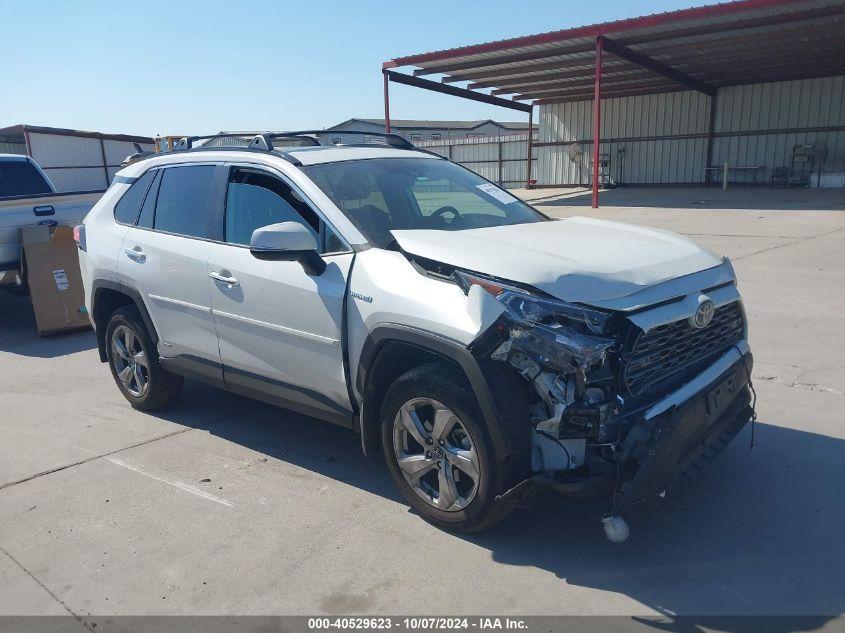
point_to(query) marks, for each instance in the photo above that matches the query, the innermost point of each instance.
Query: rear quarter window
(127, 208)
(184, 200)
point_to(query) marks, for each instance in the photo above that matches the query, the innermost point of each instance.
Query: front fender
(452, 351)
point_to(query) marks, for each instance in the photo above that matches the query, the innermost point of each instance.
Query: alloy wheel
(130, 361)
(436, 454)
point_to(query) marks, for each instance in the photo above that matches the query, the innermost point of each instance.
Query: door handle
(47, 209)
(135, 254)
(229, 281)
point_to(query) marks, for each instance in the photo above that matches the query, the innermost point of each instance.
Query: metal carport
(701, 49)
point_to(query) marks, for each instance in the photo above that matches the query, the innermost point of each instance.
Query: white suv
(487, 350)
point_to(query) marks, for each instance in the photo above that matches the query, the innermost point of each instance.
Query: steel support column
(530, 147)
(597, 121)
(105, 163)
(711, 128)
(386, 101)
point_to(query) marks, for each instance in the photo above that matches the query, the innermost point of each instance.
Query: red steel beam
(694, 63)
(675, 53)
(462, 71)
(597, 122)
(636, 57)
(530, 146)
(594, 30)
(434, 86)
(714, 69)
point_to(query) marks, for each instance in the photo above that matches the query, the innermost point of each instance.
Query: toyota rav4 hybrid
(488, 351)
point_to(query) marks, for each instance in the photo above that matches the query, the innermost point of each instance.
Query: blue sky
(193, 67)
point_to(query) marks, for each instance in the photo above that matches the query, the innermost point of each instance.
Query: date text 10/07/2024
(418, 623)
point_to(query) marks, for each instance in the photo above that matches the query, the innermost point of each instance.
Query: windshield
(382, 194)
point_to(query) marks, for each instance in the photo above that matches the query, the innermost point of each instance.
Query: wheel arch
(106, 297)
(391, 350)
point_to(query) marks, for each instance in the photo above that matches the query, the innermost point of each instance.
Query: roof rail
(259, 141)
(187, 142)
(265, 141)
(393, 140)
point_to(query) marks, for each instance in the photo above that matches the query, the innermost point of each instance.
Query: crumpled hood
(578, 259)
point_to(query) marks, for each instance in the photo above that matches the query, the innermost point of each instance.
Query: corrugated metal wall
(75, 163)
(662, 139)
(780, 115)
(12, 148)
(502, 159)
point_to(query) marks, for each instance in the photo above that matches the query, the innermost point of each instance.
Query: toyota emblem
(703, 314)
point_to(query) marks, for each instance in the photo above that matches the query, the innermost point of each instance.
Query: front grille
(665, 352)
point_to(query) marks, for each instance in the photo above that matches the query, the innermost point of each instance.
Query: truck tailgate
(58, 208)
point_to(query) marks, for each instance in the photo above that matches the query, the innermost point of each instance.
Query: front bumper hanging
(683, 439)
(688, 437)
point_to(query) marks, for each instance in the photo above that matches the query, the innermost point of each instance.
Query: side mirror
(287, 241)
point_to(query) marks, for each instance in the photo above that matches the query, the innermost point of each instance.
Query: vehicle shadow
(760, 534)
(18, 334)
(297, 439)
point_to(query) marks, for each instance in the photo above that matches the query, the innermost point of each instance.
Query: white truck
(28, 197)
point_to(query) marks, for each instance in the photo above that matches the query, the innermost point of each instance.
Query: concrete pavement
(227, 506)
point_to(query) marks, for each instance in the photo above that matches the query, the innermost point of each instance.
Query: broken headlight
(551, 332)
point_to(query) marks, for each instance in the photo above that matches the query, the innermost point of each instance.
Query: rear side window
(184, 199)
(21, 178)
(145, 220)
(127, 208)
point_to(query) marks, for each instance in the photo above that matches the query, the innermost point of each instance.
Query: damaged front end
(597, 426)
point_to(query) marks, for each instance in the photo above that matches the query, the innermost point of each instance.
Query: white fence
(80, 163)
(502, 159)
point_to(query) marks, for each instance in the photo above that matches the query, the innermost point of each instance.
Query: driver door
(279, 328)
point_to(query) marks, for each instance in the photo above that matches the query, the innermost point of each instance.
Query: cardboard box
(50, 264)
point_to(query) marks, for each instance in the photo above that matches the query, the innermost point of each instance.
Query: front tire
(438, 450)
(134, 365)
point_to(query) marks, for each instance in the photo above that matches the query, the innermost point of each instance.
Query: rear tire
(438, 449)
(134, 365)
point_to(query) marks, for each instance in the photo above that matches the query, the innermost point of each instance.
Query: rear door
(279, 328)
(166, 256)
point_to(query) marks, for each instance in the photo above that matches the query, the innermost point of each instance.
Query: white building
(421, 130)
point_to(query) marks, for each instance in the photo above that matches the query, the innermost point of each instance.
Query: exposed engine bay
(590, 433)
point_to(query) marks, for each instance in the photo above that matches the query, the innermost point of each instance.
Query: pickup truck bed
(28, 197)
(49, 208)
